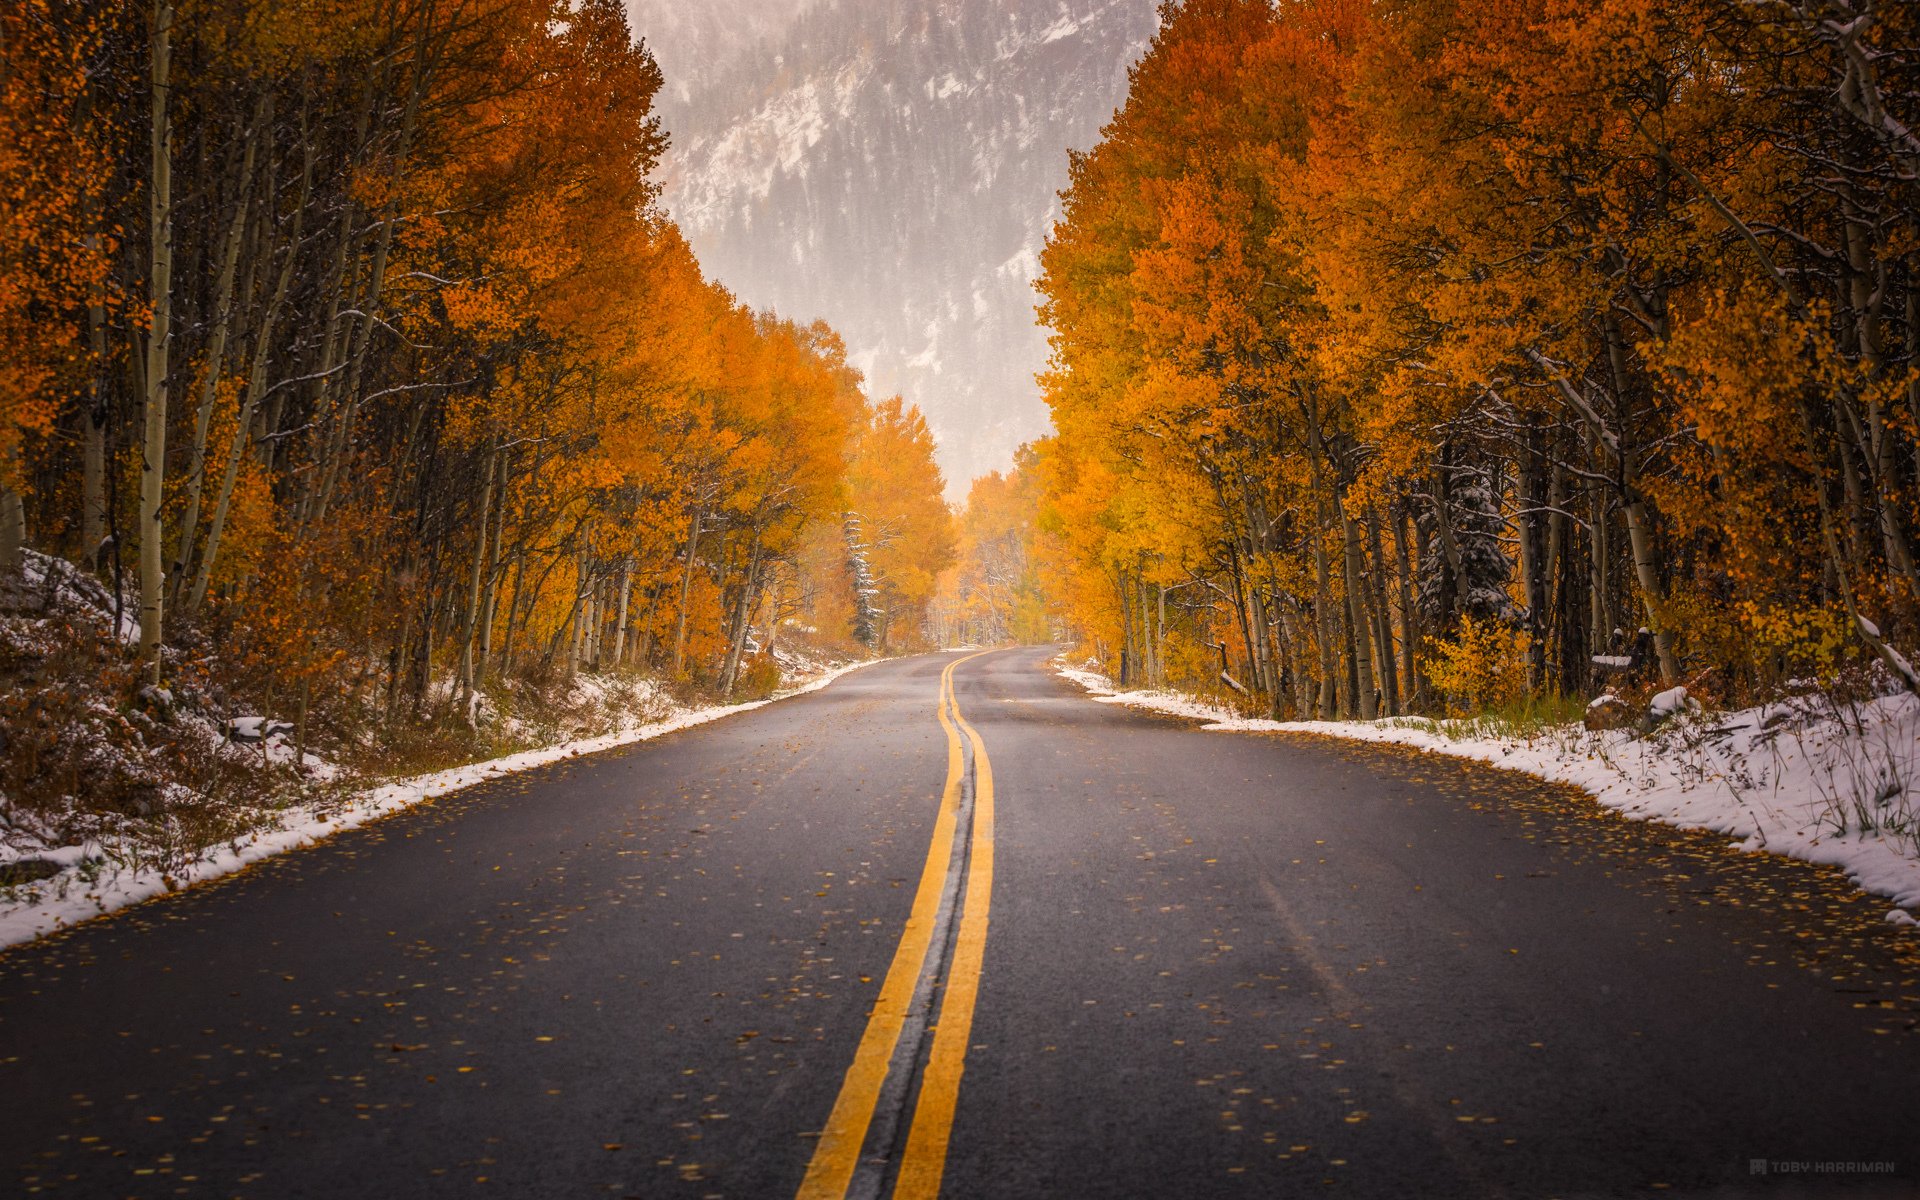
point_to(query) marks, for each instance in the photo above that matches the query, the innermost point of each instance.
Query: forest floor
(110, 795)
(1817, 777)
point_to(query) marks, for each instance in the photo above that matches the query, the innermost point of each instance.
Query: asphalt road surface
(857, 943)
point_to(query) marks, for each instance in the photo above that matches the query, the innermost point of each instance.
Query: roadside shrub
(1482, 667)
(759, 678)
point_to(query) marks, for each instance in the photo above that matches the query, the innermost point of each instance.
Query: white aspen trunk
(1147, 636)
(160, 292)
(490, 603)
(1646, 571)
(216, 356)
(577, 616)
(1323, 615)
(1639, 533)
(1297, 663)
(742, 619)
(1600, 619)
(1161, 623)
(362, 331)
(773, 610)
(588, 593)
(468, 673)
(686, 591)
(1409, 612)
(599, 623)
(1357, 615)
(1382, 614)
(513, 611)
(1443, 524)
(1877, 441)
(1553, 628)
(256, 384)
(620, 625)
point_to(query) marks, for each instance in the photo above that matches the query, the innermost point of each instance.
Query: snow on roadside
(54, 582)
(1788, 779)
(31, 910)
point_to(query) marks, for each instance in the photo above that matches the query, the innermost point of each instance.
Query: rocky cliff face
(892, 166)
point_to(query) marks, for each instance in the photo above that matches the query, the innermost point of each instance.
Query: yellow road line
(837, 1153)
(926, 1157)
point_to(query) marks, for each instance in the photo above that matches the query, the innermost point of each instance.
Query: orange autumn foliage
(1544, 319)
(454, 407)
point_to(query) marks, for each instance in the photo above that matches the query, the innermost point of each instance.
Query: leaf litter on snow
(1824, 779)
(130, 802)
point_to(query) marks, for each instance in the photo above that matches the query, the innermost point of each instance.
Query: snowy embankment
(86, 888)
(1807, 778)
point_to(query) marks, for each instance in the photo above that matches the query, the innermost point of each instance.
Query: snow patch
(51, 583)
(1837, 787)
(1023, 266)
(1065, 27)
(89, 888)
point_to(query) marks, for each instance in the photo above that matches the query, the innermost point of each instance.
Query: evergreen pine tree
(866, 614)
(1481, 591)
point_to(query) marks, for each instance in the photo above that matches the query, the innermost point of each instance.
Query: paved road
(1212, 965)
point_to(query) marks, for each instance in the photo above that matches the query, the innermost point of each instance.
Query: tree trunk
(576, 617)
(1443, 525)
(1161, 623)
(1409, 612)
(1382, 616)
(215, 364)
(468, 672)
(490, 603)
(1646, 569)
(1362, 644)
(153, 463)
(361, 333)
(13, 531)
(1600, 616)
(1147, 638)
(773, 608)
(1323, 616)
(1876, 442)
(256, 384)
(620, 622)
(686, 591)
(513, 611)
(742, 618)
(1533, 572)
(1298, 682)
(300, 728)
(93, 442)
(1553, 594)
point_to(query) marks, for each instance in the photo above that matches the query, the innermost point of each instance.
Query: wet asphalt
(1218, 965)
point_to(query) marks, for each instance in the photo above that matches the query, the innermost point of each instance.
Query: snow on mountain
(892, 166)
(690, 38)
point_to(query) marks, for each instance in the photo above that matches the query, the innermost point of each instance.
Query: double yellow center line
(836, 1156)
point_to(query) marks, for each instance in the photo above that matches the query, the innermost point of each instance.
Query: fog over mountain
(892, 166)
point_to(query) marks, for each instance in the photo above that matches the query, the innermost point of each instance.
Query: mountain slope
(892, 167)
